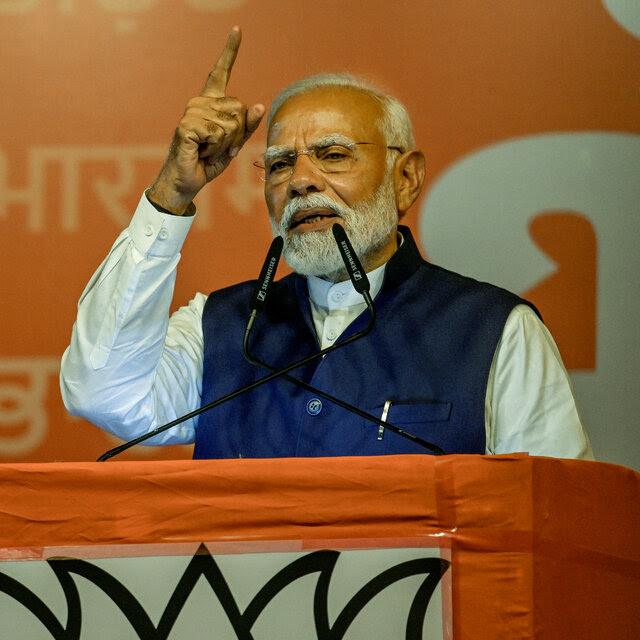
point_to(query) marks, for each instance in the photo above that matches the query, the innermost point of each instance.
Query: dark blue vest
(429, 353)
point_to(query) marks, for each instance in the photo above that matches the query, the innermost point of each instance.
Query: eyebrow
(275, 151)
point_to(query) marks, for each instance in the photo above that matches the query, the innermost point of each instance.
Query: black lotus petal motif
(204, 565)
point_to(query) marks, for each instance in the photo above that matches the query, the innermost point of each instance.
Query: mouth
(312, 217)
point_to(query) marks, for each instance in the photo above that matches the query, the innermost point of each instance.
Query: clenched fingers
(217, 124)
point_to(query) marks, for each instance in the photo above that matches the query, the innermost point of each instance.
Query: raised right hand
(211, 132)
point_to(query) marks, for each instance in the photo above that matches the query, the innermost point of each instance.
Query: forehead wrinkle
(276, 150)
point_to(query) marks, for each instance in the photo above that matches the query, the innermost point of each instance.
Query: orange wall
(91, 92)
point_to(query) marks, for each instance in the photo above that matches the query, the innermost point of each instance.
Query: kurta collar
(338, 295)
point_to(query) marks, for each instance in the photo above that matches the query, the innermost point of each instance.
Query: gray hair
(395, 125)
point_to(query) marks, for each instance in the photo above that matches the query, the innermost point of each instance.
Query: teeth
(313, 218)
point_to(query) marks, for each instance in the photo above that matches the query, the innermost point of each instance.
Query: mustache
(318, 200)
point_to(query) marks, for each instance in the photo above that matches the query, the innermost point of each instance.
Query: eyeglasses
(329, 158)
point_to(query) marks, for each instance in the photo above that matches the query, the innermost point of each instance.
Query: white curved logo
(475, 220)
(626, 13)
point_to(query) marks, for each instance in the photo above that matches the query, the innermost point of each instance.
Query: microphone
(258, 300)
(360, 283)
(357, 274)
(263, 283)
(268, 271)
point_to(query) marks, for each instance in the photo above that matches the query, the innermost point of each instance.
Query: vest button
(314, 406)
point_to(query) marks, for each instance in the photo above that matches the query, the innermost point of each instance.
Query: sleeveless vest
(428, 355)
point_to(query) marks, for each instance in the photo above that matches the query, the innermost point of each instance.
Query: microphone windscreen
(268, 272)
(351, 262)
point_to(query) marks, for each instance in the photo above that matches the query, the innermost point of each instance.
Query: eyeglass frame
(261, 166)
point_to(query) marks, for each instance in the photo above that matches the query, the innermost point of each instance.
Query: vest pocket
(426, 420)
(416, 412)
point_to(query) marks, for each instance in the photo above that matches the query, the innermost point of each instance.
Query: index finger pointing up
(216, 85)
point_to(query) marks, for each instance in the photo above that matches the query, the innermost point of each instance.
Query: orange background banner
(91, 92)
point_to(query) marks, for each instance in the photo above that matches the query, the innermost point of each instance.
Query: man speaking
(464, 365)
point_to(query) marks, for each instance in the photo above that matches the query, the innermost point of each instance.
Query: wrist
(169, 201)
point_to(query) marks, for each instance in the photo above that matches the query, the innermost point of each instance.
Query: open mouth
(310, 216)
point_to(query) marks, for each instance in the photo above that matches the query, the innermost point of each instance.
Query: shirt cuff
(158, 234)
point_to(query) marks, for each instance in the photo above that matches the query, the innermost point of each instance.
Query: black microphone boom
(360, 282)
(258, 300)
(275, 250)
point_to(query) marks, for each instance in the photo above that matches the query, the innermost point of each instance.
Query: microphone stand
(257, 304)
(341, 403)
(361, 285)
(230, 396)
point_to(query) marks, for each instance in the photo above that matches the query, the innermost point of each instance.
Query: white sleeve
(129, 368)
(530, 405)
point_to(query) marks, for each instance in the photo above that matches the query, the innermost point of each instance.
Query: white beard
(369, 226)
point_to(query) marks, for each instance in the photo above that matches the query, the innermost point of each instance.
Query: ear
(408, 177)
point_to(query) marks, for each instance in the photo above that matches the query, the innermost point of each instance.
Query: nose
(305, 178)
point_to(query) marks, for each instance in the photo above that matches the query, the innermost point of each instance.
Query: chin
(326, 265)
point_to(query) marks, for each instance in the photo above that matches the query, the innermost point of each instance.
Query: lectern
(462, 547)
